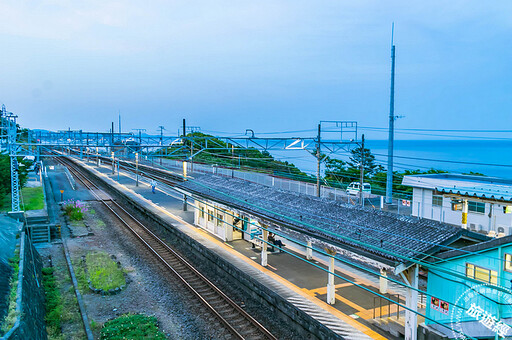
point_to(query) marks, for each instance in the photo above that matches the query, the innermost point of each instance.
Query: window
(478, 207)
(481, 274)
(507, 209)
(437, 201)
(456, 205)
(219, 219)
(210, 215)
(202, 212)
(508, 262)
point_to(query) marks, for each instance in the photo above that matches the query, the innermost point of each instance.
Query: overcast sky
(266, 65)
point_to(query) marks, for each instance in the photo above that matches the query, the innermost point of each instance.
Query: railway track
(231, 316)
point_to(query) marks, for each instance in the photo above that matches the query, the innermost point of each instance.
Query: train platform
(299, 282)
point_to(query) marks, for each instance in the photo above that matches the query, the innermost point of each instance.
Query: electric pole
(161, 141)
(361, 172)
(389, 177)
(318, 163)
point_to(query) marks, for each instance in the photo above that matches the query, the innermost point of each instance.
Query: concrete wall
(498, 221)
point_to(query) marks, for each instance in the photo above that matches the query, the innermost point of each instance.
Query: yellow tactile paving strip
(307, 294)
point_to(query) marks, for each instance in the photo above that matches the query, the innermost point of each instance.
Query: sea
(488, 157)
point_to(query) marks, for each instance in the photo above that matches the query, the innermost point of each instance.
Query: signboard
(439, 305)
(406, 203)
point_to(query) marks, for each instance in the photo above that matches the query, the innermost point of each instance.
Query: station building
(478, 302)
(479, 203)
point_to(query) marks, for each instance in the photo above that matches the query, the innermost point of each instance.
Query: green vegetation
(340, 173)
(53, 303)
(221, 153)
(132, 326)
(5, 173)
(62, 313)
(33, 198)
(75, 210)
(10, 319)
(79, 268)
(103, 272)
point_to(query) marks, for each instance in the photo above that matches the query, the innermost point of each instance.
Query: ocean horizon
(489, 157)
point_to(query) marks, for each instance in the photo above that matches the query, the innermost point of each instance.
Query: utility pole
(12, 130)
(161, 141)
(120, 131)
(140, 137)
(112, 137)
(361, 172)
(318, 163)
(389, 177)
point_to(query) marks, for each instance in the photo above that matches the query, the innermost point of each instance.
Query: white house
(479, 203)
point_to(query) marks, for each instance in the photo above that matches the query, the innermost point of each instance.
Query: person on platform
(272, 239)
(153, 186)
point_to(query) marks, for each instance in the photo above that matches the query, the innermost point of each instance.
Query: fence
(399, 206)
(30, 305)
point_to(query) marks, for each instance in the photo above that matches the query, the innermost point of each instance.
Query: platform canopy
(392, 239)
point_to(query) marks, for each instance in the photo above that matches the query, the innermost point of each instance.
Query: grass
(71, 320)
(53, 305)
(10, 319)
(78, 267)
(103, 272)
(132, 326)
(33, 199)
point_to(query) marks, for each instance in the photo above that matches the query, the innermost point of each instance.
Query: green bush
(103, 272)
(75, 210)
(53, 303)
(132, 326)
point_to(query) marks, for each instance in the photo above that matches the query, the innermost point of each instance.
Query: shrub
(75, 209)
(132, 326)
(53, 302)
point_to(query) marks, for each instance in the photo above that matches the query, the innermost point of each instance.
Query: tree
(368, 160)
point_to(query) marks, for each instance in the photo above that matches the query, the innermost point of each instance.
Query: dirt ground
(147, 290)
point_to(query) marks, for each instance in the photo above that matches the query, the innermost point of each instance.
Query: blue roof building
(470, 290)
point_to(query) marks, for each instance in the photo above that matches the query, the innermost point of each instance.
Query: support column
(411, 302)
(185, 171)
(264, 254)
(184, 202)
(383, 281)
(464, 214)
(331, 297)
(309, 251)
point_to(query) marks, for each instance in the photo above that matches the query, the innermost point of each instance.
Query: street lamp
(136, 169)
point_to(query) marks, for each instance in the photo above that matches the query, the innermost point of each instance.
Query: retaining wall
(30, 304)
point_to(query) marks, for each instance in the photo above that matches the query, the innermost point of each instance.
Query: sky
(279, 65)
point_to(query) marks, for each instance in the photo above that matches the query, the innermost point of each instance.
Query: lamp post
(136, 169)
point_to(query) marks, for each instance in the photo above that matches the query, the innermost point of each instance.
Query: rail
(236, 320)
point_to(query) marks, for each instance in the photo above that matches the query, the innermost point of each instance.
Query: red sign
(439, 305)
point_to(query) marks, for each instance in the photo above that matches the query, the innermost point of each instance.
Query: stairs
(40, 233)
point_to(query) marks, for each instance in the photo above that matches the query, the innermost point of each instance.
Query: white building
(479, 203)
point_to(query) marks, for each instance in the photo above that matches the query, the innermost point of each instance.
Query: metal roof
(466, 185)
(344, 224)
